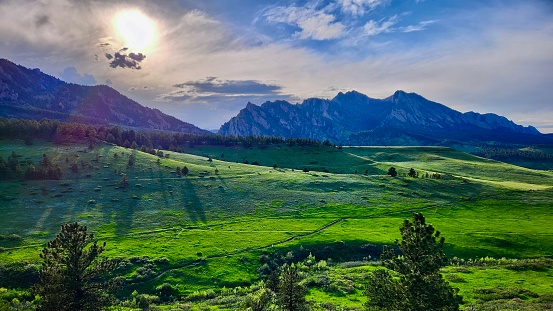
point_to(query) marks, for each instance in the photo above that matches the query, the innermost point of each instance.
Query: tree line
(63, 132)
(509, 153)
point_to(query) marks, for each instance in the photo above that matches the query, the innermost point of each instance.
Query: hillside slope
(208, 229)
(31, 94)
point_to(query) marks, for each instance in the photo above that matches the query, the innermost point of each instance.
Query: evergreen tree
(392, 171)
(124, 181)
(72, 276)
(291, 294)
(273, 281)
(131, 161)
(45, 161)
(420, 285)
(412, 173)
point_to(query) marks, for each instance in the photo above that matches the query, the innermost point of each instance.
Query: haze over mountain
(31, 94)
(353, 118)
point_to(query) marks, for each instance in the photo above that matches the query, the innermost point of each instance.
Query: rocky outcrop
(355, 118)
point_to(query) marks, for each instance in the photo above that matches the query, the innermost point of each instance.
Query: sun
(137, 30)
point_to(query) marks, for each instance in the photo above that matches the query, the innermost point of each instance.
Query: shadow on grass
(341, 251)
(163, 187)
(124, 215)
(192, 202)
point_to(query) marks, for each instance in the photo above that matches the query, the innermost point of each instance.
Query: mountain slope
(31, 94)
(353, 118)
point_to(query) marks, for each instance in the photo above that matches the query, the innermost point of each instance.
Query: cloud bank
(480, 56)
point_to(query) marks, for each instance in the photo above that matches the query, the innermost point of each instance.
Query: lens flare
(137, 30)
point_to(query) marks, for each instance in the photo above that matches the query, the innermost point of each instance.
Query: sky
(203, 61)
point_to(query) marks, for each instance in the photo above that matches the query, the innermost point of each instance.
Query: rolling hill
(204, 234)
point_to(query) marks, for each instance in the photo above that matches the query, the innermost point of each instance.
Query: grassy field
(212, 225)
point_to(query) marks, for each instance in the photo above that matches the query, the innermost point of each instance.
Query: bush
(202, 295)
(454, 278)
(167, 292)
(540, 264)
(499, 292)
(18, 275)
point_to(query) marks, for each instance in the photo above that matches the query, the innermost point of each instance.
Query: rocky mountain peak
(354, 118)
(400, 96)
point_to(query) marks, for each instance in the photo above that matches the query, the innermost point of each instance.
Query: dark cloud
(212, 85)
(137, 57)
(124, 60)
(41, 20)
(70, 74)
(144, 88)
(223, 93)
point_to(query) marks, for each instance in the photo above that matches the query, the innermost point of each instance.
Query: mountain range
(31, 94)
(353, 118)
(349, 118)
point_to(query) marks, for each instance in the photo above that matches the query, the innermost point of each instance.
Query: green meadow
(207, 230)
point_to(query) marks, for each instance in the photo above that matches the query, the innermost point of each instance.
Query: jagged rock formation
(353, 118)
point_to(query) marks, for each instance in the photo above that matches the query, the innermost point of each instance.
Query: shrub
(539, 264)
(454, 278)
(167, 292)
(500, 292)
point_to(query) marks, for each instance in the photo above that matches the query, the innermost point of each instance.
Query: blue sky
(208, 58)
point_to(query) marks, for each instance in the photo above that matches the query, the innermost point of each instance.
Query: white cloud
(418, 27)
(501, 64)
(373, 28)
(360, 7)
(316, 24)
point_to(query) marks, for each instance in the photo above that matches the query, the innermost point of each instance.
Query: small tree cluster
(11, 169)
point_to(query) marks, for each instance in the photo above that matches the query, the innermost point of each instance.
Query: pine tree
(291, 294)
(420, 285)
(72, 276)
(124, 181)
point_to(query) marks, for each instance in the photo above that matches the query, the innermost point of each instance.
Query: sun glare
(137, 30)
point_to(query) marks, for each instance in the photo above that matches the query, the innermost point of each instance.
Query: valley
(207, 230)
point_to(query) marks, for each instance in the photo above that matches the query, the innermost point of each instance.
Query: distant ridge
(353, 118)
(31, 94)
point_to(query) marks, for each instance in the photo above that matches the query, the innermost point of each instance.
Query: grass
(229, 217)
